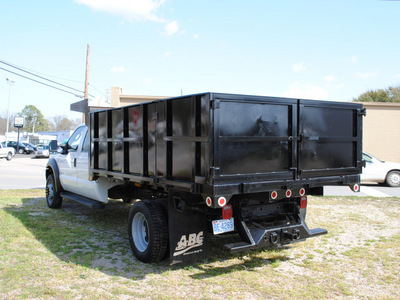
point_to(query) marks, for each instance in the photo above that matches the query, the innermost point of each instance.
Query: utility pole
(10, 82)
(86, 80)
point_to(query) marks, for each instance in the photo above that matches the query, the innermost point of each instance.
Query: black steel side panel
(162, 142)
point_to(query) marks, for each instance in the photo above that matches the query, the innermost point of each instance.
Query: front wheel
(148, 231)
(9, 156)
(53, 198)
(393, 179)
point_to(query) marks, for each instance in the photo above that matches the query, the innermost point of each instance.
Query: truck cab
(70, 168)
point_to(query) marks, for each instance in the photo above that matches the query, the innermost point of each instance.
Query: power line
(48, 85)
(13, 66)
(41, 77)
(52, 76)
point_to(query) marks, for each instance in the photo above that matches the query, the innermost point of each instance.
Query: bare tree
(61, 122)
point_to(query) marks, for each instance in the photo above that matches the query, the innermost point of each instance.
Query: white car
(379, 171)
(6, 152)
(42, 151)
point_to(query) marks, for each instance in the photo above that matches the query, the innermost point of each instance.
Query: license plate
(222, 226)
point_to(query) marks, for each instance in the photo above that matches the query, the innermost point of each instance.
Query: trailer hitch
(274, 238)
(294, 235)
(253, 237)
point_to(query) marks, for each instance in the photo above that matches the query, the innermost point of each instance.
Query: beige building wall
(381, 135)
(118, 99)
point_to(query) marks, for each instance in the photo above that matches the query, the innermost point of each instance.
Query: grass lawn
(75, 252)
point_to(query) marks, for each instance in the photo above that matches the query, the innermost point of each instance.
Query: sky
(326, 50)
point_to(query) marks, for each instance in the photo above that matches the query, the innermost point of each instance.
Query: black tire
(148, 231)
(9, 156)
(393, 179)
(53, 197)
(21, 151)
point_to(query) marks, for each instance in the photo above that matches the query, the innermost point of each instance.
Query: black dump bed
(222, 144)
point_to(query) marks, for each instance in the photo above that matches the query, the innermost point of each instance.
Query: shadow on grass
(249, 262)
(98, 239)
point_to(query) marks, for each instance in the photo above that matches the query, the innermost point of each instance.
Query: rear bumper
(253, 237)
(246, 187)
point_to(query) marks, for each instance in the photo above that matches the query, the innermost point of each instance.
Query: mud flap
(187, 232)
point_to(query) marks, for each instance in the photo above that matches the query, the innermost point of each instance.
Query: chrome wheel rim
(395, 179)
(49, 192)
(140, 232)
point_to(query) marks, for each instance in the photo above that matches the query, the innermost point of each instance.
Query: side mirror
(63, 149)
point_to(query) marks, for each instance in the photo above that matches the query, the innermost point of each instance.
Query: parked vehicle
(6, 152)
(380, 172)
(22, 147)
(42, 151)
(34, 147)
(210, 164)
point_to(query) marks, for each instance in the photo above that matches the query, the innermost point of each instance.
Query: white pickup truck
(6, 152)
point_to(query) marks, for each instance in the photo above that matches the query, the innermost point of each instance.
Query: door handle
(74, 162)
(296, 138)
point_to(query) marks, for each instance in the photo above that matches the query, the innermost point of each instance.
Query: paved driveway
(372, 190)
(23, 172)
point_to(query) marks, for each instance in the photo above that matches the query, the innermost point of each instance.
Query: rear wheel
(21, 151)
(53, 197)
(148, 231)
(393, 179)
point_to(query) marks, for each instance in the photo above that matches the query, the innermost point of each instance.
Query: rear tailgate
(252, 138)
(268, 139)
(330, 135)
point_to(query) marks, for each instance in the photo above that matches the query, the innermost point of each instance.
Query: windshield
(369, 158)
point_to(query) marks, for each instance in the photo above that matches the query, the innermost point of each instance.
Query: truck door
(82, 162)
(68, 162)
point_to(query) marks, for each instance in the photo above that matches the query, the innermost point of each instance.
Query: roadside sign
(19, 122)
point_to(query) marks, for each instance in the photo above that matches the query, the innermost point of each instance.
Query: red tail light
(227, 212)
(303, 202)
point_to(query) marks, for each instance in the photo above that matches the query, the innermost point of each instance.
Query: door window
(85, 147)
(75, 139)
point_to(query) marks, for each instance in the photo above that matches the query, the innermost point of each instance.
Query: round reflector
(288, 193)
(221, 201)
(355, 187)
(274, 195)
(209, 201)
(302, 191)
